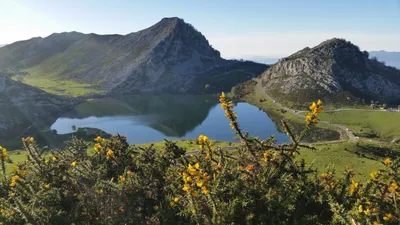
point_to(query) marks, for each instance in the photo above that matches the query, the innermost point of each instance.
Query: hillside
(336, 71)
(23, 106)
(166, 57)
(390, 58)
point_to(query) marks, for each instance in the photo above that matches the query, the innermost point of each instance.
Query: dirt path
(346, 130)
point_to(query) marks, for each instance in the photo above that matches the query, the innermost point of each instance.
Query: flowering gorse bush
(260, 182)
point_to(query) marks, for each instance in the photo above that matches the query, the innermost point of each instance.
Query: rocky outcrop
(22, 106)
(333, 66)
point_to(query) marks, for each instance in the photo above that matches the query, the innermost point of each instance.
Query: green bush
(259, 183)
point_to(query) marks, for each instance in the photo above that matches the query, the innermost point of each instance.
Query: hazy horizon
(257, 29)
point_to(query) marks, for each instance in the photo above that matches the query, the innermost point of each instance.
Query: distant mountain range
(390, 58)
(265, 60)
(166, 57)
(1, 45)
(335, 70)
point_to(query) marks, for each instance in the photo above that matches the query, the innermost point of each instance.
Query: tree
(384, 105)
(398, 107)
(372, 101)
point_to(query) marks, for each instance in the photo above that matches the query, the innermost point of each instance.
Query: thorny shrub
(261, 182)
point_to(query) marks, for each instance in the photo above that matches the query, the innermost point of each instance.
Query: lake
(151, 118)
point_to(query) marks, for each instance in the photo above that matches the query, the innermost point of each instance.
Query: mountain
(390, 58)
(264, 60)
(23, 106)
(166, 57)
(2, 45)
(335, 70)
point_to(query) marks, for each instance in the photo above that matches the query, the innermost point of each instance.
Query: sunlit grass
(385, 125)
(58, 86)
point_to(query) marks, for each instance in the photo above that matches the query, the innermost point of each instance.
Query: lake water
(147, 119)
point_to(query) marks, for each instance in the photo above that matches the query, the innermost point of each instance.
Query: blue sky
(237, 28)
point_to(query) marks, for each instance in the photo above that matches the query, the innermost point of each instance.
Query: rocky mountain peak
(333, 66)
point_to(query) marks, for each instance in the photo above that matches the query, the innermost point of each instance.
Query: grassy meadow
(385, 125)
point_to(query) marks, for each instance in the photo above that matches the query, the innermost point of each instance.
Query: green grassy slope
(385, 125)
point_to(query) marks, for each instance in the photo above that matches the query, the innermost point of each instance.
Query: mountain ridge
(166, 57)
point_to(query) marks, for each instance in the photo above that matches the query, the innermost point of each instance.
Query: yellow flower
(205, 139)
(191, 170)
(185, 187)
(176, 199)
(46, 161)
(200, 138)
(309, 118)
(360, 209)
(132, 155)
(109, 154)
(208, 156)
(317, 110)
(14, 180)
(393, 187)
(47, 186)
(199, 184)
(387, 217)
(73, 164)
(100, 192)
(22, 172)
(319, 102)
(54, 158)
(375, 223)
(98, 139)
(121, 178)
(324, 176)
(188, 179)
(205, 190)
(172, 204)
(367, 212)
(98, 148)
(353, 186)
(3, 154)
(387, 162)
(197, 165)
(193, 211)
(313, 106)
(31, 139)
(373, 174)
(249, 167)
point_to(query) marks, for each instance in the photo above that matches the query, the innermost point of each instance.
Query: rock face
(23, 106)
(164, 57)
(333, 66)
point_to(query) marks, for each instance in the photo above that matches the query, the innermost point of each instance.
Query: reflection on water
(152, 118)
